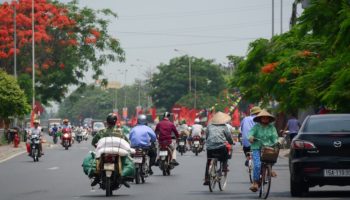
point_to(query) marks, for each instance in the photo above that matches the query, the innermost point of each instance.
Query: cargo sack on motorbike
(89, 164)
(128, 167)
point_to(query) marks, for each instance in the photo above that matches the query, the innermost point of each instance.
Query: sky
(150, 30)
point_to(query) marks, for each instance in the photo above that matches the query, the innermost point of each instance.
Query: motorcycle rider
(217, 133)
(110, 130)
(197, 130)
(36, 130)
(68, 128)
(167, 134)
(143, 136)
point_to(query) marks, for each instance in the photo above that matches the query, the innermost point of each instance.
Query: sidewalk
(9, 151)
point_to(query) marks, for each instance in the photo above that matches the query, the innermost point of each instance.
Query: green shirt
(107, 132)
(267, 136)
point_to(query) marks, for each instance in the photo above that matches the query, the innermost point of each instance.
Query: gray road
(59, 176)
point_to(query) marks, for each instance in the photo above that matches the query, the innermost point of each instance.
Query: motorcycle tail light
(163, 147)
(109, 158)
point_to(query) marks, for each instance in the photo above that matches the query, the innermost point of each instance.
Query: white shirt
(197, 130)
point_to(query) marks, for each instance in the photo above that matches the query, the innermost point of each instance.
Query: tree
(97, 102)
(12, 98)
(304, 67)
(68, 42)
(171, 83)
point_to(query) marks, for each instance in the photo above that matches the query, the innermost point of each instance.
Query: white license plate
(137, 159)
(336, 172)
(108, 166)
(181, 143)
(163, 153)
(196, 142)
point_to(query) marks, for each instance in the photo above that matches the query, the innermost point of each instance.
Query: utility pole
(273, 18)
(281, 16)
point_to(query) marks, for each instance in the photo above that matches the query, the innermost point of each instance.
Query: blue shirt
(293, 125)
(247, 124)
(141, 136)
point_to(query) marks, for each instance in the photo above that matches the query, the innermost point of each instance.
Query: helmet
(196, 120)
(65, 121)
(36, 122)
(142, 119)
(166, 114)
(112, 119)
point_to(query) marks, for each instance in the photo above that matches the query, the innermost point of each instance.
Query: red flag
(235, 119)
(153, 112)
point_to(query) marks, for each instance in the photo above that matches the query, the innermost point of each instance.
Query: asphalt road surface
(59, 176)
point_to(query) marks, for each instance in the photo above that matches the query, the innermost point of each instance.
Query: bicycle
(216, 175)
(269, 156)
(250, 166)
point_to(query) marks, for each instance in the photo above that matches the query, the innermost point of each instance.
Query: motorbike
(35, 147)
(197, 145)
(181, 148)
(110, 173)
(141, 160)
(55, 137)
(66, 138)
(85, 135)
(165, 157)
(79, 136)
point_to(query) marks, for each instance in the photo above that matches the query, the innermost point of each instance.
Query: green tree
(13, 102)
(304, 67)
(172, 82)
(77, 41)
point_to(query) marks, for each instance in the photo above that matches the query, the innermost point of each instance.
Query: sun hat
(36, 122)
(220, 118)
(255, 110)
(264, 113)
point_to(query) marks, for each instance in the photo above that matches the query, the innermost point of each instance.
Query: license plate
(336, 172)
(137, 159)
(163, 153)
(108, 166)
(196, 142)
(182, 143)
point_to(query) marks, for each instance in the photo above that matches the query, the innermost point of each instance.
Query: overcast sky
(150, 30)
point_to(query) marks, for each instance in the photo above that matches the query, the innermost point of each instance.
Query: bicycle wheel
(250, 170)
(265, 180)
(222, 179)
(212, 175)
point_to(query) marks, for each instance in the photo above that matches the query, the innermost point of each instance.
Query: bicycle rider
(247, 124)
(217, 133)
(263, 133)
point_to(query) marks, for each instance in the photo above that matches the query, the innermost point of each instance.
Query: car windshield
(99, 125)
(329, 124)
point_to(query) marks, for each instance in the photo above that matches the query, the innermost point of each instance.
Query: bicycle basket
(269, 154)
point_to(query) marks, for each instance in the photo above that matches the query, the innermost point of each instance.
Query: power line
(190, 44)
(194, 13)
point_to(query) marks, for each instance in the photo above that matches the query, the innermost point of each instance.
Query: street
(59, 175)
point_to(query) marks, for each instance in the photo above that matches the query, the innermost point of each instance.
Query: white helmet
(196, 120)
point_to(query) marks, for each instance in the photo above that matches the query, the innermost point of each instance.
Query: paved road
(59, 176)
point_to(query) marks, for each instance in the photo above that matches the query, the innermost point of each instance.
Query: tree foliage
(96, 102)
(304, 67)
(69, 41)
(13, 102)
(172, 82)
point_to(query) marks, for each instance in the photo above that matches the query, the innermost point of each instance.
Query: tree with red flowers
(67, 39)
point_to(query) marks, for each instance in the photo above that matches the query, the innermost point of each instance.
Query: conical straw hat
(264, 113)
(220, 118)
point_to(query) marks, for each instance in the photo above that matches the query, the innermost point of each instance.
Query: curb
(12, 156)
